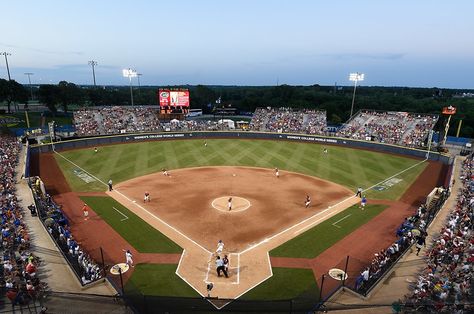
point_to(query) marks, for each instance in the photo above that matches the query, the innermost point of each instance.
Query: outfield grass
(143, 237)
(316, 240)
(346, 166)
(158, 279)
(285, 284)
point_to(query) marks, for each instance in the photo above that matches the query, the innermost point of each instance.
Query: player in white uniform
(220, 247)
(128, 258)
(277, 172)
(147, 197)
(229, 203)
(308, 201)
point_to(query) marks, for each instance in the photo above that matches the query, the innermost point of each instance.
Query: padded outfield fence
(301, 304)
(85, 142)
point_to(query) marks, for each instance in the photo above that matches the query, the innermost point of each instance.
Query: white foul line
(334, 224)
(139, 206)
(325, 210)
(121, 214)
(184, 279)
(253, 246)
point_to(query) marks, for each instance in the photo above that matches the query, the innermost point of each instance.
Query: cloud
(77, 53)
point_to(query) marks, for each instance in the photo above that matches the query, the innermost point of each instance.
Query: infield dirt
(176, 198)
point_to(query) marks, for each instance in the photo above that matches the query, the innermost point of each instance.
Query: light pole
(93, 63)
(130, 73)
(6, 62)
(29, 82)
(355, 77)
(138, 78)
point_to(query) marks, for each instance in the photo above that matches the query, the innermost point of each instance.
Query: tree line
(335, 100)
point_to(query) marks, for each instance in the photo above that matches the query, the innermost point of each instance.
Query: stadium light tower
(93, 63)
(130, 73)
(6, 54)
(138, 78)
(355, 77)
(29, 74)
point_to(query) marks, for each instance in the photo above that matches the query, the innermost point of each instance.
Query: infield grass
(139, 234)
(346, 166)
(324, 235)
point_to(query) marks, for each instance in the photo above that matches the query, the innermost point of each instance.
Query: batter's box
(233, 271)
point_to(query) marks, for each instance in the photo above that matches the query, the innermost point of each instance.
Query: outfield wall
(130, 138)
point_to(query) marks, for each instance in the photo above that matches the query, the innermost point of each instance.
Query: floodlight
(355, 77)
(130, 73)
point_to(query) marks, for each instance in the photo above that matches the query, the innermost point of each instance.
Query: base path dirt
(182, 208)
(372, 237)
(250, 209)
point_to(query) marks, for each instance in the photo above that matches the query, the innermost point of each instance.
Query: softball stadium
(277, 215)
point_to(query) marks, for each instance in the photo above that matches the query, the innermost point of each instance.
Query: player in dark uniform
(307, 203)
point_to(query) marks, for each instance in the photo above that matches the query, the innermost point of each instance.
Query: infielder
(229, 203)
(165, 172)
(359, 192)
(277, 172)
(307, 203)
(146, 198)
(110, 185)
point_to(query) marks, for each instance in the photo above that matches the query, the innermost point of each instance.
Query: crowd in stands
(18, 268)
(287, 120)
(399, 128)
(445, 284)
(57, 225)
(195, 125)
(115, 120)
(412, 232)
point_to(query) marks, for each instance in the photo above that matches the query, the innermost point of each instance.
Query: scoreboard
(173, 101)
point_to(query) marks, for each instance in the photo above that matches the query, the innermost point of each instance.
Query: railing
(62, 247)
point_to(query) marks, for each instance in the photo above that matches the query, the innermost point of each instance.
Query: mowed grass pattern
(324, 235)
(139, 234)
(160, 280)
(286, 284)
(346, 166)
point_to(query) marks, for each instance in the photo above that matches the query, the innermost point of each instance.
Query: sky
(423, 43)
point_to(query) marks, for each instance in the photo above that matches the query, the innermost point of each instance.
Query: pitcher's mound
(239, 204)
